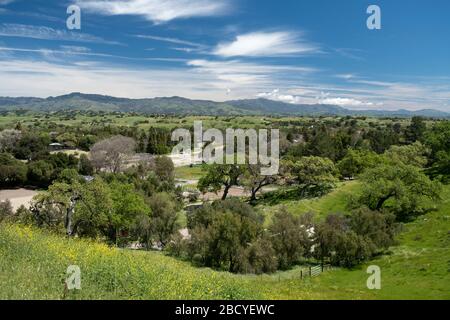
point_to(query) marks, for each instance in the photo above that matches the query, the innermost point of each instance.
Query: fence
(314, 271)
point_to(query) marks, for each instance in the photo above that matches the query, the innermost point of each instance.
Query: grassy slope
(334, 202)
(189, 173)
(33, 264)
(418, 268)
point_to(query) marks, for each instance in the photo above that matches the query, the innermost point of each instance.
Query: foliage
(12, 172)
(74, 206)
(164, 216)
(40, 173)
(416, 130)
(223, 236)
(6, 210)
(356, 161)
(349, 241)
(414, 154)
(165, 170)
(290, 239)
(254, 181)
(312, 175)
(220, 176)
(402, 189)
(438, 140)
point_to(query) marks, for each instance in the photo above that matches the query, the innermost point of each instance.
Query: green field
(33, 265)
(334, 202)
(189, 173)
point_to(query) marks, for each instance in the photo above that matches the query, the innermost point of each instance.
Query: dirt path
(18, 197)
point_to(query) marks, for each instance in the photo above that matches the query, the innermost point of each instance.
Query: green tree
(290, 238)
(379, 227)
(128, 206)
(313, 175)
(254, 181)
(85, 166)
(223, 236)
(414, 154)
(12, 172)
(165, 169)
(438, 140)
(400, 188)
(164, 217)
(356, 161)
(338, 244)
(220, 176)
(40, 173)
(416, 130)
(381, 139)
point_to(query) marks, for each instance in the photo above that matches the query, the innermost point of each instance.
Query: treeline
(230, 235)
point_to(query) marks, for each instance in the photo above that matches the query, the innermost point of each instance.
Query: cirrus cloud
(269, 44)
(158, 11)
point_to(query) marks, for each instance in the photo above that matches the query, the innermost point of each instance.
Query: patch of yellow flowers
(35, 264)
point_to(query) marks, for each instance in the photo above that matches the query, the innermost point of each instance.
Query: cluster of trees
(111, 207)
(229, 235)
(39, 173)
(331, 139)
(310, 176)
(438, 140)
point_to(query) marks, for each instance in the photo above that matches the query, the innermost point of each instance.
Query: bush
(289, 238)
(6, 210)
(225, 236)
(349, 240)
(40, 173)
(13, 173)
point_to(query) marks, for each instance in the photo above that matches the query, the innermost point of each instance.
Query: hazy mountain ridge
(184, 106)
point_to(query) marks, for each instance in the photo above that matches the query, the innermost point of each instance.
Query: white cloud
(345, 102)
(312, 96)
(47, 33)
(245, 73)
(275, 95)
(270, 44)
(64, 52)
(170, 40)
(35, 77)
(188, 46)
(158, 11)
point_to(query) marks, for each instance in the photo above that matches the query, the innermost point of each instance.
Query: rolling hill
(184, 106)
(33, 264)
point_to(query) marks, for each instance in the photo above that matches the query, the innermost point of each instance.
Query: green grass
(189, 173)
(334, 202)
(33, 264)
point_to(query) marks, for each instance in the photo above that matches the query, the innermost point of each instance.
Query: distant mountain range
(183, 106)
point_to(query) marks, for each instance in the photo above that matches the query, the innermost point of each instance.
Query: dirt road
(18, 197)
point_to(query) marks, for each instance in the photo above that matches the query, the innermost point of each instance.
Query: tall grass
(33, 266)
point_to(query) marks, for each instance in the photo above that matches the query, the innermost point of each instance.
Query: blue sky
(297, 51)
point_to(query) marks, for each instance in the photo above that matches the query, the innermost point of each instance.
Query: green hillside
(183, 106)
(33, 265)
